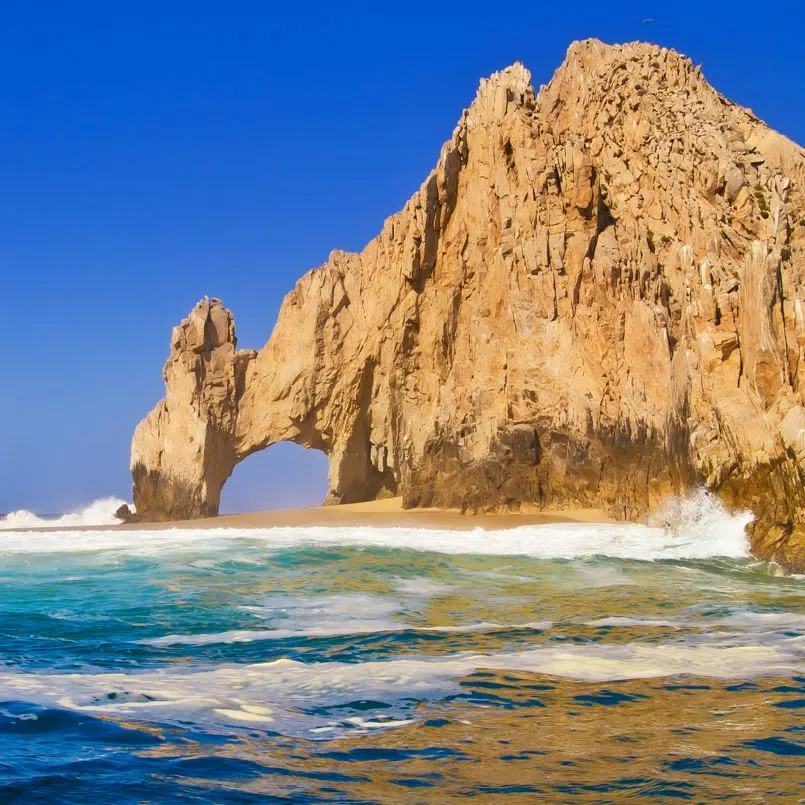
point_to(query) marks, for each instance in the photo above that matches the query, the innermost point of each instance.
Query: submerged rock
(595, 299)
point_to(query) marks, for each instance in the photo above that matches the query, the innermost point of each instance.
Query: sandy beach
(388, 513)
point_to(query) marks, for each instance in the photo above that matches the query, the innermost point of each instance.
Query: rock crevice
(595, 299)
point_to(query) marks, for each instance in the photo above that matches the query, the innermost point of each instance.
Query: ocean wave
(699, 514)
(344, 615)
(98, 513)
(294, 697)
(745, 621)
(627, 621)
(696, 529)
(332, 630)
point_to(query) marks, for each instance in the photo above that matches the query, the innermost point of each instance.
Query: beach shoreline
(386, 513)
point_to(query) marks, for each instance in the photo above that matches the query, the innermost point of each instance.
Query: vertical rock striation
(595, 299)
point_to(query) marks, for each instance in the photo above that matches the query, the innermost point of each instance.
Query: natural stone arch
(220, 408)
(595, 299)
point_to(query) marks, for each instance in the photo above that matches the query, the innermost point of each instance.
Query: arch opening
(284, 475)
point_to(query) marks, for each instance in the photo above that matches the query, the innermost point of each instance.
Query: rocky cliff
(595, 299)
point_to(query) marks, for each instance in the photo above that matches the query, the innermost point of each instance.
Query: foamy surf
(714, 533)
(332, 630)
(285, 694)
(98, 513)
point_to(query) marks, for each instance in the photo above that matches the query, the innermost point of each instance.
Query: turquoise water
(328, 665)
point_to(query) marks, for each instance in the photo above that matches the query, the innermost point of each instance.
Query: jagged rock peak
(510, 85)
(596, 298)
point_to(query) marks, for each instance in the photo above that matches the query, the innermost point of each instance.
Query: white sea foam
(333, 616)
(713, 532)
(288, 696)
(328, 612)
(99, 512)
(626, 621)
(701, 515)
(332, 629)
(763, 621)
(747, 621)
(421, 588)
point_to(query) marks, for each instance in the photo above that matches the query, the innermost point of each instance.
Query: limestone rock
(595, 299)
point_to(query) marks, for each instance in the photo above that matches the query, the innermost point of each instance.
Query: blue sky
(154, 152)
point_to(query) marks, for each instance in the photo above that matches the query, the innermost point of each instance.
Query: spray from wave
(99, 512)
(701, 518)
(696, 528)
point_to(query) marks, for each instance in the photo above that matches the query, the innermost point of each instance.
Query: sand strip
(387, 513)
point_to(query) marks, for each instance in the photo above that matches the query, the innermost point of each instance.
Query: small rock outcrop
(595, 299)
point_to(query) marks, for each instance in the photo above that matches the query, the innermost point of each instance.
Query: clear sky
(154, 152)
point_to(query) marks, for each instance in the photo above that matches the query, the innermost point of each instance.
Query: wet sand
(385, 513)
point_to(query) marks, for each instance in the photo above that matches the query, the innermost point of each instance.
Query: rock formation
(595, 299)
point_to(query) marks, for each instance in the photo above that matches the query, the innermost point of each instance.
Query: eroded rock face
(595, 299)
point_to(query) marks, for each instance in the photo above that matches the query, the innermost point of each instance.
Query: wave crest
(698, 527)
(701, 519)
(99, 512)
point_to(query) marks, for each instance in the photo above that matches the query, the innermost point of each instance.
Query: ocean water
(560, 663)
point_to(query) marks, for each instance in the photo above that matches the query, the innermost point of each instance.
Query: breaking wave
(695, 528)
(99, 512)
(699, 514)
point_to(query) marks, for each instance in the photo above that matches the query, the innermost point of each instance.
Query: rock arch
(221, 408)
(595, 299)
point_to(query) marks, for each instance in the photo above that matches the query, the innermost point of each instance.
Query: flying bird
(648, 20)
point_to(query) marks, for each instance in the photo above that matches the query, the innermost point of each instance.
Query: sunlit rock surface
(595, 299)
